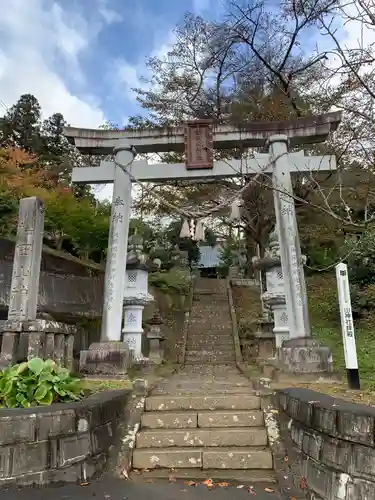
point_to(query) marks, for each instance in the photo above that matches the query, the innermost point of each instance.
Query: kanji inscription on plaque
(198, 144)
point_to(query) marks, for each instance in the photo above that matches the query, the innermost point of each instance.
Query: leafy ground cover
(325, 322)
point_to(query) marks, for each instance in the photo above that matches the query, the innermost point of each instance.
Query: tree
(20, 127)
(257, 64)
(209, 74)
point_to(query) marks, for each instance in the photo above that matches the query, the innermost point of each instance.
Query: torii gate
(199, 138)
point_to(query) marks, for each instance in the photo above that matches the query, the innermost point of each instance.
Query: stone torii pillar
(290, 248)
(114, 283)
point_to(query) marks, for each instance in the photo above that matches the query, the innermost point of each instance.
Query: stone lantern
(155, 338)
(274, 297)
(136, 296)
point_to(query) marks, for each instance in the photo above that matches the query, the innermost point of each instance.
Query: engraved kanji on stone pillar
(23, 299)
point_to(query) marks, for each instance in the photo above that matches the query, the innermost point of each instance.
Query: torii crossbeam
(199, 165)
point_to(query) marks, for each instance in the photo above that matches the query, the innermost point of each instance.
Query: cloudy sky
(81, 57)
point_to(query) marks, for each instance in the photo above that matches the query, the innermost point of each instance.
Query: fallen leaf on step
(84, 483)
(125, 473)
(269, 490)
(251, 491)
(240, 486)
(303, 483)
(209, 483)
(190, 483)
(172, 479)
(223, 485)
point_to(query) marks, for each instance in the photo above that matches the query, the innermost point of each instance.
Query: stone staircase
(210, 338)
(206, 420)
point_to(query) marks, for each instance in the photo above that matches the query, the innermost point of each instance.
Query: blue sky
(81, 57)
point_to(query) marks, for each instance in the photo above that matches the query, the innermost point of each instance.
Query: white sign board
(347, 324)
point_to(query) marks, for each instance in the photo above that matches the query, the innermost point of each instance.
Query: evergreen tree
(20, 127)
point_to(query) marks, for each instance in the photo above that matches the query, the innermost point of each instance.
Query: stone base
(305, 355)
(265, 326)
(21, 340)
(110, 359)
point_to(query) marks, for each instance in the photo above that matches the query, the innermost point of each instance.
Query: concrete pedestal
(41, 338)
(305, 355)
(111, 359)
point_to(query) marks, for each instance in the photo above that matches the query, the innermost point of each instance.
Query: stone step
(222, 347)
(228, 381)
(237, 458)
(217, 359)
(247, 477)
(242, 418)
(213, 336)
(239, 437)
(204, 419)
(217, 389)
(210, 362)
(202, 458)
(201, 402)
(201, 341)
(169, 420)
(170, 458)
(212, 353)
(215, 327)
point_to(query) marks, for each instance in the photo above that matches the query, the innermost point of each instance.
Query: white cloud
(129, 76)
(37, 39)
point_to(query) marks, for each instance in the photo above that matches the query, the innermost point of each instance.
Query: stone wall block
(6, 455)
(17, 429)
(320, 479)
(101, 438)
(356, 427)
(60, 423)
(359, 489)
(312, 443)
(74, 449)
(336, 453)
(30, 458)
(363, 462)
(324, 419)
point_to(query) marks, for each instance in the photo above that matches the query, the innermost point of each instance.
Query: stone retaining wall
(335, 444)
(60, 443)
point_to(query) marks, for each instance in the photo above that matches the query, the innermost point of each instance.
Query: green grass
(106, 385)
(325, 321)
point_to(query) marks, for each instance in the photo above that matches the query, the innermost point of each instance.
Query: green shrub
(37, 383)
(174, 281)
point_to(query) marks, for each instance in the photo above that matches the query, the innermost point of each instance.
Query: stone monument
(24, 336)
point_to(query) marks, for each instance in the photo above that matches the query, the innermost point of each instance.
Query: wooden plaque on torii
(198, 145)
